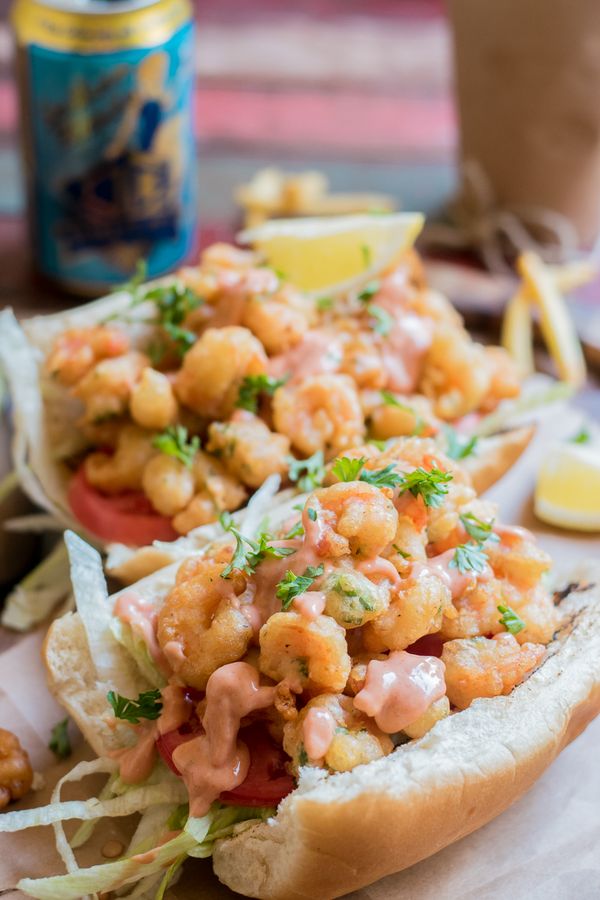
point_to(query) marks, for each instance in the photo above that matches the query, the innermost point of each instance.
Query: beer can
(106, 92)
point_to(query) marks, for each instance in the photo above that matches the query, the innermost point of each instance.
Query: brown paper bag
(528, 81)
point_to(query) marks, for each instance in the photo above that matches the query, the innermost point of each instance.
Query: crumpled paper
(545, 847)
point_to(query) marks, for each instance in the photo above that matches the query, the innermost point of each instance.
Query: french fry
(517, 332)
(573, 275)
(558, 329)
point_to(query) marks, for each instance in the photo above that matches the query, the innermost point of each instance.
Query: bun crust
(337, 833)
(495, 456)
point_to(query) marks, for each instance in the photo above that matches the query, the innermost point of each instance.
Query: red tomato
(267, 781)
(429, 645)
(126, 518)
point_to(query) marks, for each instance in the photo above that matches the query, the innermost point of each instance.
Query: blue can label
(112, 171)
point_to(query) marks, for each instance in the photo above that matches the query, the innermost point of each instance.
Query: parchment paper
(545, 847)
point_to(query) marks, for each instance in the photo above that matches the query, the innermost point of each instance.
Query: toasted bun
(337, 833)
(496, 455)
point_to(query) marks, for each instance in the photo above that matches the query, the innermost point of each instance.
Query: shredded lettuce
(537, 395)
(138, 649)
(39, 592)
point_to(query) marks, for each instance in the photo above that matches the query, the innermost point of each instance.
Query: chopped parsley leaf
(583, 436)
(347, 469)
(459, 446)
(381, 322)
(253, 386)
(174, 442)
(386, 477)
(249, 553)
(147, 706)
(431, 485)
(312, 514)
(470, 557)
(368, 292)
(511, 621)
(307, 473)
(478, 529)
(60, 743)
(292, 586)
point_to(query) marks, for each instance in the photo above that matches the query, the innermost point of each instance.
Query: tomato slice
(429, 645)
(126, 518)
(267, 781)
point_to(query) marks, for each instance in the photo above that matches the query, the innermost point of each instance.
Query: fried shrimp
(396, 416)
(152, 404)
(16, 774)
(248, 448)
(76, 350)
(123, 470)
(438, 710)
(355, 738)
(455, 374)
(106, 388)
(311, 655)
(213, 370)
(504, 378)
(200, 626)
(168, 483)
(357, 518)
(415, 610)
(487, 667)
(322, 412)
(518, 558)
(215, 490)
(352, 599)
(280, 319)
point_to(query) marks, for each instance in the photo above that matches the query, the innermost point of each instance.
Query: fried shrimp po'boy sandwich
(376, 670)
(148, 413)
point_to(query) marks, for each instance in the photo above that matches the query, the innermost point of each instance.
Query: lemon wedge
(334, 253)
(568, 487)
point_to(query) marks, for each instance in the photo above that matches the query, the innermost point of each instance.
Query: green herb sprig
(308, 473)
(60, 743)
(291, 585)
(147, 706)
(511, 620)
(253, 386)
(174, 442)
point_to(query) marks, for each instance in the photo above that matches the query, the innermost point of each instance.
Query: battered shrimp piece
(410, 541)
(76, 350)
(16, 774)
(356, 738)
(476, 611)
(213, 370)
(106, 388)
(216, 490)
(443, 521)
(487, 667)
(311, 655)
(352, 599)
(200, 626)
(414, 611)
(361, 358)
(536, 608)
(322, 412)
(355, 517)
(455, 374)
(399, 416)
(504, 378)
(279, 320)
(438, 710)
(123, 470)
(518, 558)
(248, 448)
(168, 483)
(152, 403)
(433, 304)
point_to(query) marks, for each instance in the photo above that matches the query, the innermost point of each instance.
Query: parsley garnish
(381, 445)
(583, 436)
(470, 557)
(59, 740)
(324, 303)
(296, 531)
(347, 469)
(477, 529)
(457, 445)
(302, 756)
(174, 442)
(253, 386)
(511, 621)
(430, 485)
(386, 477)
(382, 322)
(249, 553)
(292, 586)
(312, 514)
(401, 552)
(369, 291)
(307, 473)
(147, 706)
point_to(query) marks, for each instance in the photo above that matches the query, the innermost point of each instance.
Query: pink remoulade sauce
(141, 617)
(399, 689)
(456, 581)
(310, 604)
(216, 761)
(318, 730)
(319, 353)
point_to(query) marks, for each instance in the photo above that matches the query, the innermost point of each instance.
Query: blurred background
(358, 89)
